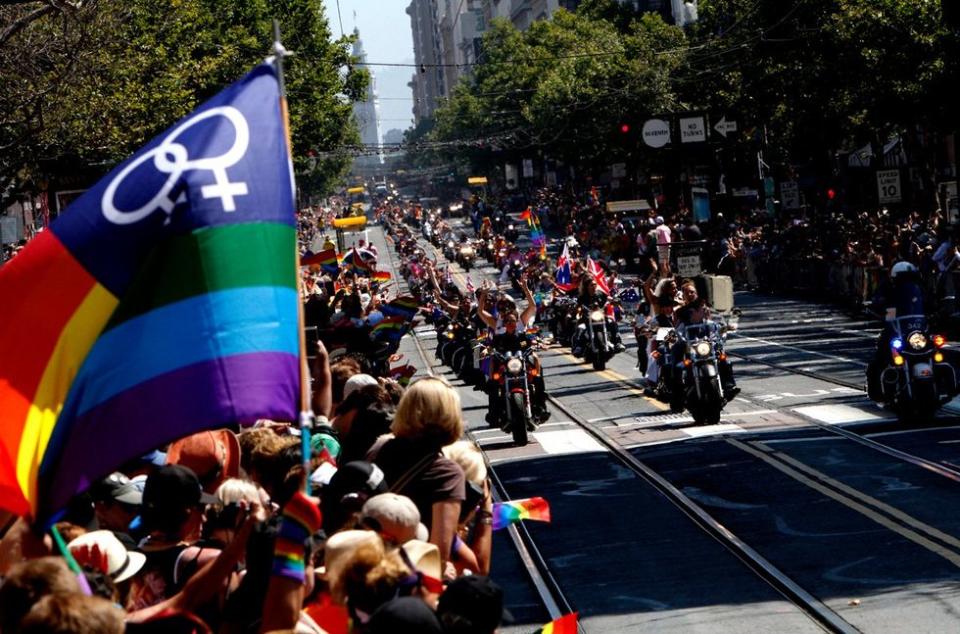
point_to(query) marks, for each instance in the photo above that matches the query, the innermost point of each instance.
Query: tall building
(367, 112)
(394, 136)
(427, 83)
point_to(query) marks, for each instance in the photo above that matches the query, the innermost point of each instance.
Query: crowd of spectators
(214, 532)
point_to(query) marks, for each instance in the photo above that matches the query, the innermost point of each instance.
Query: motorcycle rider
(509, 326)
(591, 298)
(694, 318)
(901, 296)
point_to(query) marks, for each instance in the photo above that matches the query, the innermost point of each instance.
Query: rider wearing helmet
(899, 297)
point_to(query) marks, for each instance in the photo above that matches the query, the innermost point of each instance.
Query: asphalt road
(873, 537)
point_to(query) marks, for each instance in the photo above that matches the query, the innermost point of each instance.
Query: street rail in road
(548, 586)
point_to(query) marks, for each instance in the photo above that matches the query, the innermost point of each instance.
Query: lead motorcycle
(595, 322)
(917, 380)
(511, 374)
(689, 376)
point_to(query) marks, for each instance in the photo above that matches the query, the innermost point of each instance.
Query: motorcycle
(511, 373)
(689, 377)
(917, 380)
(597, 349)
(511, 233)
(450, 249)
(466, 256)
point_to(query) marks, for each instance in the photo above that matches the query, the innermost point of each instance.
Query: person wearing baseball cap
(173, 514)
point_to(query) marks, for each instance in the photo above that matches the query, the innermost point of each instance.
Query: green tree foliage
(563, 88)
(90, 82)
(820, 74)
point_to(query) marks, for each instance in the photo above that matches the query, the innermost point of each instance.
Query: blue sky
(385, 31)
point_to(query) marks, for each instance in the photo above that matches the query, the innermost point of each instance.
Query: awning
(624, 206)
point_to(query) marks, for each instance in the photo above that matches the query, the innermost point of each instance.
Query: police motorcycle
(910, 372)
(690, 356)
(512, 374)
(917, 379)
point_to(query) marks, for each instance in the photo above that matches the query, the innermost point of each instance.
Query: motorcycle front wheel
(519, 419)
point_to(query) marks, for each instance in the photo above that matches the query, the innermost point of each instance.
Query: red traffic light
(831, 193)
(625, 128)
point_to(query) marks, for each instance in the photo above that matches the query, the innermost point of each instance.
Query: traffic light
(831, 193)
(624, 128)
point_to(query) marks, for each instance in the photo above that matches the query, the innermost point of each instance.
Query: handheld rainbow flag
(390, 328)
(161, 303)
(404, 306)
(380, 276)
(506, 513)
(536, 232)
(326, 259)
(566, 624)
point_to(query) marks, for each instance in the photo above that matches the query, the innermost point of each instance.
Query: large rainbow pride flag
(162, 302)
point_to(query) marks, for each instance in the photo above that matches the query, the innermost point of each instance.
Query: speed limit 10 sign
(888, 186)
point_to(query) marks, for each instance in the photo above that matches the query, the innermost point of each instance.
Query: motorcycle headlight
(516, 262)
(596, 315)
(514, 366)
(917, 341)
(450, 335)
(702, 349)
(451, 244)
(510, 228)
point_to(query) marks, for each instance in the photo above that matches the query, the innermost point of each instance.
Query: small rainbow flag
(403, 373)
(536, 232)
(506, 513)
(403, 306)
(327, 260)
(380, 276)
(566, 624)
(390, 327)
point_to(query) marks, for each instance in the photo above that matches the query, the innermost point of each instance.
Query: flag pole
(306, 412)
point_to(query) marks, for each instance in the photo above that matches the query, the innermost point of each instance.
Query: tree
(562, 88)
(90, 82)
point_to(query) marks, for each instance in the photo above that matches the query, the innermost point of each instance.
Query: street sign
(477, 180)
(693, 130)
(744, 192)
(790, 194)
(527, 168)
(888, 186)
(689, 265)
(723, 126)
(656, 133)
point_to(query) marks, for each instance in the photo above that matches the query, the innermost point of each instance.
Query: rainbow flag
(161, 303)
(566, 624)
(390, 328)
(327, 260)
(380, 276)
(536, 232)
(506, 513)
(404, 306)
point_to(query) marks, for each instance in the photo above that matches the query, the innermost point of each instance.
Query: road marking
(854, 500)
(567, 441)
(713, 430)
(680, 418)
(789, 347)
(836, 414)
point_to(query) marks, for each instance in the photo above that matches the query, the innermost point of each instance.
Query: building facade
(367, 112)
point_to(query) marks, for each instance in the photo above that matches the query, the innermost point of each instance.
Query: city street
(861, 527)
